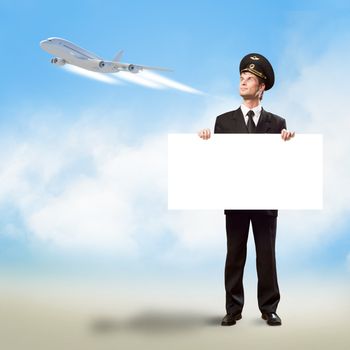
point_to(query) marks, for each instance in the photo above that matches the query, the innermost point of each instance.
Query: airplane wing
(135, 68)
(84, 54)
(156, 68)
(78, 55)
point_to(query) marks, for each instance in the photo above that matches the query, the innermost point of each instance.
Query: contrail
(145, 78)
(169, 83)
(137, 79)
(91, 75)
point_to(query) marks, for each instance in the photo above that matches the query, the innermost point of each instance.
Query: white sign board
(245, 171)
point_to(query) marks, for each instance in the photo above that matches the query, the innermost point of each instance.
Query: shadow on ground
(155, 322)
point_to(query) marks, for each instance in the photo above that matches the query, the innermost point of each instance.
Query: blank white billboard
(245, 171)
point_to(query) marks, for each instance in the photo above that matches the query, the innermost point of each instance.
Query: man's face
(249, 86)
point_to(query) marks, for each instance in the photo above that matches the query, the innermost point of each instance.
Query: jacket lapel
(239, 125)
(264, 124)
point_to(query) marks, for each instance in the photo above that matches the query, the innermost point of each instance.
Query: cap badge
(252, 66)
(254, 58)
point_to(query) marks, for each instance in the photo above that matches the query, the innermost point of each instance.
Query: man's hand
(287, 135)
(204, 134)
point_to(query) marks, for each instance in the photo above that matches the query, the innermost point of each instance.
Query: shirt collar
(256, 110)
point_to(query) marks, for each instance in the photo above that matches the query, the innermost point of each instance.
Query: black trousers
(264, 229)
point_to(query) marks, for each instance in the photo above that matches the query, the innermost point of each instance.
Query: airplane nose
(43, 43)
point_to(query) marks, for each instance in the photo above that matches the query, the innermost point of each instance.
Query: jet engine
(58, 61)
(101, 64)
(134, 69)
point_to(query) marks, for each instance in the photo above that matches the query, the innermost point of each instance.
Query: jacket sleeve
(217, 127)
(283, 124)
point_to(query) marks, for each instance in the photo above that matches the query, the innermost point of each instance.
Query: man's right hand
(204, 134)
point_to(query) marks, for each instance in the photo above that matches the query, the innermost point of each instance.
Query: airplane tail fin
(118, 56)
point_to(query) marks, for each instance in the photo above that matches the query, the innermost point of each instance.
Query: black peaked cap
(260, 66)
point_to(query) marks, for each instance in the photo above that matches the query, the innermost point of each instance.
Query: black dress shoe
(230, 319)
(272, 319)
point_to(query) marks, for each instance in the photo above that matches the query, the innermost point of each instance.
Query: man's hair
(261, 81)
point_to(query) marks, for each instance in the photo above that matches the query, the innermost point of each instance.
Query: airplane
(67, 52)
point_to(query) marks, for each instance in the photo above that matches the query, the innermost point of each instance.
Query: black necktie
(250, 125)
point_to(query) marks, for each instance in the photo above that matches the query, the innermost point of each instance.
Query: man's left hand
(287, 135)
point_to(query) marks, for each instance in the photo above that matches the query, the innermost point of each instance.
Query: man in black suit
(256, 76)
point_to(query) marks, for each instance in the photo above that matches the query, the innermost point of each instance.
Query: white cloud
(315, 103)
(82, 187)
(84, 190)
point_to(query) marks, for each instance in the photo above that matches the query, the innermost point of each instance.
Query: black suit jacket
(233, 122)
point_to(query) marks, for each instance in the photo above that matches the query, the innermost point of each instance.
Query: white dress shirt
(256, 110)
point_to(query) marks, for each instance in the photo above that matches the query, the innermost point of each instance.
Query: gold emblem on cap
(254, 58)
(252, 66)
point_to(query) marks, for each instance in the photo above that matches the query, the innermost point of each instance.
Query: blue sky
(71, 142)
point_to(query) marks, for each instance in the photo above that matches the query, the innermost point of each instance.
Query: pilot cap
(258, 65)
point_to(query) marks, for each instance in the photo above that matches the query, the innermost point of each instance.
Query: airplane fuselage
(67, 52)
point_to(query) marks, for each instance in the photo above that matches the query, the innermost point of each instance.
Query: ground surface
(56, 315)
